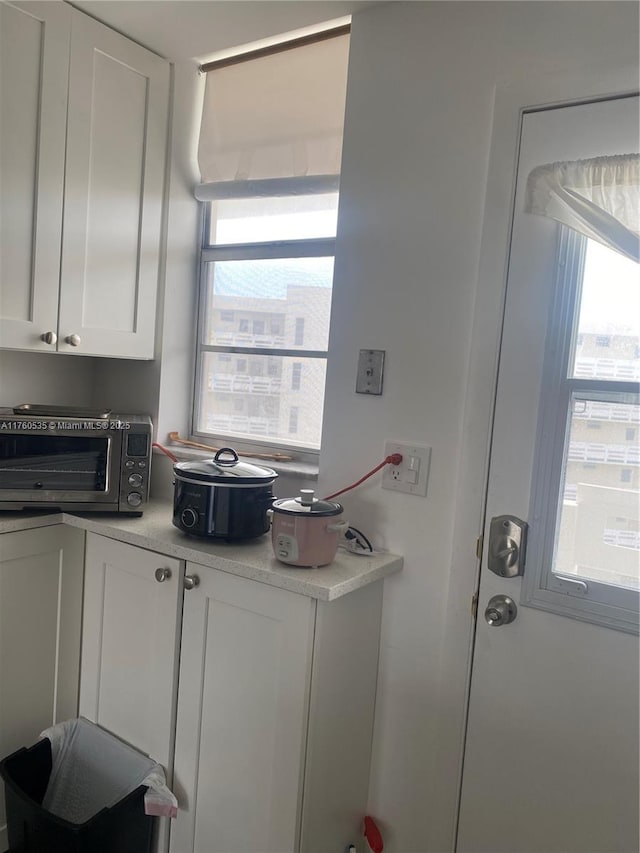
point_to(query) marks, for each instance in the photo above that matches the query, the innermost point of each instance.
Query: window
(269, 240)
(585, 546)
(296, 376)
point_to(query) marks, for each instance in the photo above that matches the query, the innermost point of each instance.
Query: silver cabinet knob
(49, 338)
(162, 575)
(501, 610)
(74, 340)
(190, 581)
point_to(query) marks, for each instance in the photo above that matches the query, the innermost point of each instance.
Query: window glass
(277, 303)
(265, 220)
(599, 516)
(261, 402)
(608, 333)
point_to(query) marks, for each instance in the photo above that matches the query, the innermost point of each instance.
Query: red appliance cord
(393, 459)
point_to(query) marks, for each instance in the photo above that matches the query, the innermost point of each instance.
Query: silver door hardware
(571, 585)
(49, 337)
(162, 575)
(73, 340)
(190, 581)
(500, 610)
(507, 546)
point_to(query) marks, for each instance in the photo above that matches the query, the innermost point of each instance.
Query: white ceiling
(201, 29)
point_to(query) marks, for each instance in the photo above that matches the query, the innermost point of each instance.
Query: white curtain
(276, 117)
(599, 198)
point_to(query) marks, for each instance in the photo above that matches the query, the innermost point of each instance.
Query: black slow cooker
(222, 497)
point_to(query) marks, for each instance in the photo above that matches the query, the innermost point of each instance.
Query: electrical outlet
(412, 474)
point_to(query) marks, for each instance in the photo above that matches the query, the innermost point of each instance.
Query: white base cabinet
(273, 711)
(242, 715)
(40, 623)
(130, 627)
(130, 635)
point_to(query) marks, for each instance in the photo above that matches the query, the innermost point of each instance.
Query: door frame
(510, 102)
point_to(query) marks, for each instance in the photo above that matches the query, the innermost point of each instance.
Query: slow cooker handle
(222, 450)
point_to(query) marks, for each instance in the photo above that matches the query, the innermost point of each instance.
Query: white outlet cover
(396, 477)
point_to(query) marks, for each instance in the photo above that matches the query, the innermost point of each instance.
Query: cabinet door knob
(49, 337)
(162, 575)
(190, 581)
(74, 340)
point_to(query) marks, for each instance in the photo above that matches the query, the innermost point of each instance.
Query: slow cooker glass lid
(227, 468)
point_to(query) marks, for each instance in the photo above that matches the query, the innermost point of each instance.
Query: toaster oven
(74, 462)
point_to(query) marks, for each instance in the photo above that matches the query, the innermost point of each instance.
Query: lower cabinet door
(129, 644)
(40, 621)
(243, 698)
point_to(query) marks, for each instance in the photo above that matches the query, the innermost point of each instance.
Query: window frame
(585, 600)
(278, 249)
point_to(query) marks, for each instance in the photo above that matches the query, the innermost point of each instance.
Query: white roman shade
(599, 198)
(274, 115)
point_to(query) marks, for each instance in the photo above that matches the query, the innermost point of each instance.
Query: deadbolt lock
(507, 546)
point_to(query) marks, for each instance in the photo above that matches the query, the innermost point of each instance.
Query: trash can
(82, 790)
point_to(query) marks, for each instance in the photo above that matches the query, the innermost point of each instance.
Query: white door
(116, 139)
(245, 665)
(551, 759)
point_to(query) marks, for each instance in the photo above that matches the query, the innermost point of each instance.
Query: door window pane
(608, 334)
(598, 537)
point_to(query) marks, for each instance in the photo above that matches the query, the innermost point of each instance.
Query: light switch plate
(412, 474)
(370, 370)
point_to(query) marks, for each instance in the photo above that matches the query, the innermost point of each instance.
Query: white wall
(33, 377)
(417, 137)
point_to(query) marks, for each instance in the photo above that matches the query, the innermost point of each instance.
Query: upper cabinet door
(34, 66)
(116, 141)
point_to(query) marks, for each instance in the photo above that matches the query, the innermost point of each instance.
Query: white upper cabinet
(116, 139)
(81, 254)
(34, 70)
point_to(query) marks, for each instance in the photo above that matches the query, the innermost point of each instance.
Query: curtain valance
(599, 198)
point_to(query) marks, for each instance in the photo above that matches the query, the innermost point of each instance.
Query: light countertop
(251, 559)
